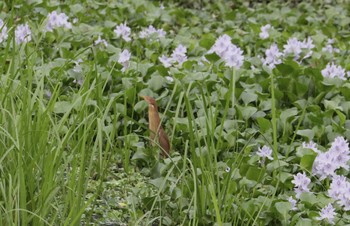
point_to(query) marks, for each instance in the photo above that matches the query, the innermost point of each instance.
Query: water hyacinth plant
(254, 97)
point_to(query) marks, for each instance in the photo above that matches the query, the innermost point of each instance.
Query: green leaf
(308, 133)
(264, 124)
(156, 82)
(255, 173)
(283, 208)
(304, 222)
(62, 107)
(307, 161)
(308, 198)
(342, 117)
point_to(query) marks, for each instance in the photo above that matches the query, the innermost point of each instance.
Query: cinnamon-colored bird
(158, 134)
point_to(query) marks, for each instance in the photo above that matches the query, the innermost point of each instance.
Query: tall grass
(49, 148)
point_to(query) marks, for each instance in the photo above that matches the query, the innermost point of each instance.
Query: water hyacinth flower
(311, 145)
(265, 152)
(273, 56)
(339, 187)
(179, 54)
(339, 190)
(293, 202)
(336, 157)
(333, 71)
(296, 48)
(230, 53)
(103, 41)
(301, 183)
(147, 32)
(23, 34)
(56, 20)
(327, 213)
(3, 31)
(123, 31)
(166, 61)
(124, 59)
(329, 47)
(264, 34)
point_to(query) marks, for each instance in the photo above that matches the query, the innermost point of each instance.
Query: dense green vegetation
(255, 98)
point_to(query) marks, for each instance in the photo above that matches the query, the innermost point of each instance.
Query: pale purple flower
(273, 56)
(311, 145)
(327, 213)
(234, 57)
(166, 61)
(301, 183)
(298, 49)
(124, 59)
(307, 46)
(301, 180)
(265, 151)
(23, 33)
(336, 157)
(231, 54)
(293, 202)
(3, 31)
(103, 41)
(179, 54)
(338, 187)
(123, 31)
(333, 71)
(293, 47)
(55, 20)
(147, 32)
(264, 34)
(329, 47)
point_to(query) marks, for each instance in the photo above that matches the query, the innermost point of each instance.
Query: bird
(158, 134)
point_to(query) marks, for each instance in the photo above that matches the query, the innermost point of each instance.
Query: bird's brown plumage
(157, 132)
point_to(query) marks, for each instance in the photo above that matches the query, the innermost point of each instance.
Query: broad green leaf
(283, 208)
(308, 133)
(156, 82)
(264, 124)
(307, 161)
(62, 107)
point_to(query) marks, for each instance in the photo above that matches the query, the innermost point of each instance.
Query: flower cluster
(298, 49)
(339, 190)
(3, 31)
(148, 32)
(123, 31)
(329, 47)
(301, 183)
(333, 71)
(328, 213)
(273, 56)
(178, 56)
(326, 163)
(23, 34)
(230, 53)
(56, 20)
(264, 34)
(124, 59)
(265, 152)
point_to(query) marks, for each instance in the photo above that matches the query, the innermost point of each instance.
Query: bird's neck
(154, 118)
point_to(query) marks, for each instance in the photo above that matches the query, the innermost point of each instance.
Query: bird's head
(151, 101)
